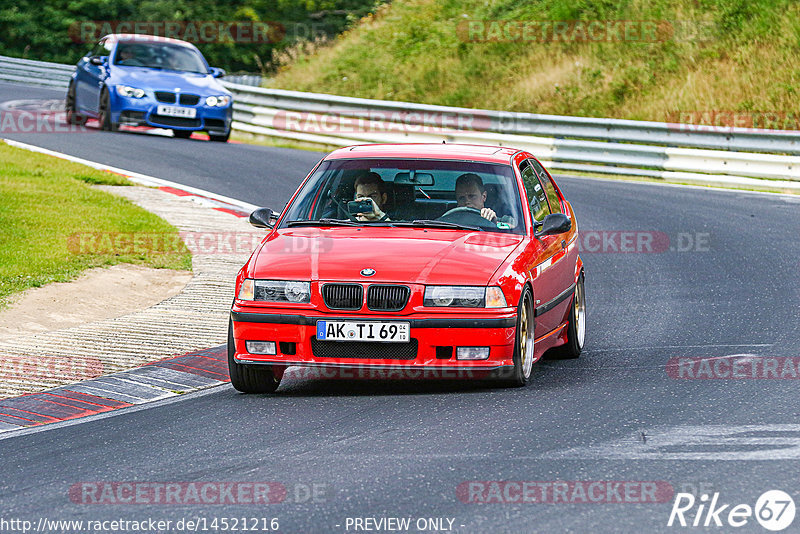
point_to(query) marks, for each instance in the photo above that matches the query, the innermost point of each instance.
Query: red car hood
(410, 255)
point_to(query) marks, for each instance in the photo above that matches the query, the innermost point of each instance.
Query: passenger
(370, 186)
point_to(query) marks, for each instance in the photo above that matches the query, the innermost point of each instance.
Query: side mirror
(217, 72)
(262, 218)
(98, 60)
(555, 223)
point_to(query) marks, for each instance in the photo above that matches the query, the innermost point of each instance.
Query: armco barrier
(605, 146)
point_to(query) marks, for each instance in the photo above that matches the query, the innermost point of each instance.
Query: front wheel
(73, 117)
(248, 378)
(105, 113)
(523, 343)
(576, 327)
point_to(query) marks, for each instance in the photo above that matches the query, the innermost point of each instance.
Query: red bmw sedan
(415, 257)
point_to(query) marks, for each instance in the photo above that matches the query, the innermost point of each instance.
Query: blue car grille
(189, 100)
(165, 97)
(184, 99)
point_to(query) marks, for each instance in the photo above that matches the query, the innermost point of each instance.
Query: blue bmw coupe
(141, 80)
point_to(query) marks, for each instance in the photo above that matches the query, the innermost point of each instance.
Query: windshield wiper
(323, 222)
(429, 223)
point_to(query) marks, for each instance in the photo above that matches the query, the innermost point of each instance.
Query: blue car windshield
(411, 192)
(160, 56)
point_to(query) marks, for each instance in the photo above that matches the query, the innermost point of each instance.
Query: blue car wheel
(105, 113)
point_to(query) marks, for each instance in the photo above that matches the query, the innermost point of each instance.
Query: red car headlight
(275, 291)
(464, 297)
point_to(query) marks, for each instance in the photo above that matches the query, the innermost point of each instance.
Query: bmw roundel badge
(367, 272)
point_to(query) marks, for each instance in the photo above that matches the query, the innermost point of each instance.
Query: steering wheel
(468, 217)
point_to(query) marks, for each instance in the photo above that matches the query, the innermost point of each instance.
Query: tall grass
(745, 58)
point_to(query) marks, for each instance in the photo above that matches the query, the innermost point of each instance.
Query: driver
(370, 186)
(471, 193)
(126, 55)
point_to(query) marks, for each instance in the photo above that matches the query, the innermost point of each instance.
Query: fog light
(472, 353)
(261, 347)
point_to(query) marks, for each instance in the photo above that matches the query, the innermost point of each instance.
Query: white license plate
(363, 331)
(175, 111)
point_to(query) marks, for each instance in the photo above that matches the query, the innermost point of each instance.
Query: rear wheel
(523, 343)
(248, 378)
(576, 327)
(182, 134)
(105, 113)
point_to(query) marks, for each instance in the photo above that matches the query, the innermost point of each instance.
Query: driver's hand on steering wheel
(489, 214)
(375, 215)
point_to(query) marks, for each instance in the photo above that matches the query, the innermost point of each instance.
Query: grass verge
(44, 201)
(737, 56)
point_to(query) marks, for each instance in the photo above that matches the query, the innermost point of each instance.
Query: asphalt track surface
(399, 448)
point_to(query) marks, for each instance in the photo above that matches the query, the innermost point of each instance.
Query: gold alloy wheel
(580, 314)
(525, 342)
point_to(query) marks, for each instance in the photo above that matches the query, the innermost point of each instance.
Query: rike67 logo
(774, 510)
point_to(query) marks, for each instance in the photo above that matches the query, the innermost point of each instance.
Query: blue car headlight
(131, 92)
(218, 101)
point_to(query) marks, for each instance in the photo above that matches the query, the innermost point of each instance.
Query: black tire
(105, 113)
(182, 134)
(523, 343)
(73, 117)
(575, 339)
(249, 378)
(220, 138)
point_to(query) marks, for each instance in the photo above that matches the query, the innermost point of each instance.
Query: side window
(103, 48)
(536, 196)
(549, 188)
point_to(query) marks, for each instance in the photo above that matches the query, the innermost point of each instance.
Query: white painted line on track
(698, 442)
(721, 189)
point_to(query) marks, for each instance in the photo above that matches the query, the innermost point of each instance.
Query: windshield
(419, 192)
(160, 56)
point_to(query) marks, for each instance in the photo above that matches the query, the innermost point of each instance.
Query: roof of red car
(488, 154)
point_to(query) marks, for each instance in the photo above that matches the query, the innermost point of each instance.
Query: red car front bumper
(434, 340)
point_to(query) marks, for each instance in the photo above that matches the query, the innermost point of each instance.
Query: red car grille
(387, 297)
(364, 350)
(343, 296)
